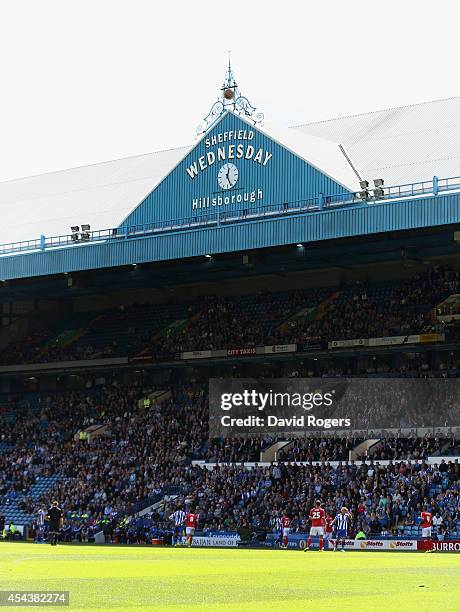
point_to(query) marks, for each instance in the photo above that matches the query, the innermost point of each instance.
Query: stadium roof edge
(400, 145)
(373, 112)
(96, 163)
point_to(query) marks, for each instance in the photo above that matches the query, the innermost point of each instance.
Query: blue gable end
(233, 167)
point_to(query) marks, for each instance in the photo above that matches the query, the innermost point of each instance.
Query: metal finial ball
(228, 94)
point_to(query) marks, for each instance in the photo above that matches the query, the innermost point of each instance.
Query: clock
(228, 176)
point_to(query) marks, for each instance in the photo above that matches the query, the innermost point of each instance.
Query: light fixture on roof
(208, 256)
(75, 232)
(85, 231)
(300, 245)
(83, 235)
(364, 195)
(378, 189)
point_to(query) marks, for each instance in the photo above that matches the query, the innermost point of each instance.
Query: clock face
(228, 176)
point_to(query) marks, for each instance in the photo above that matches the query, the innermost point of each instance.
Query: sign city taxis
(223, 152)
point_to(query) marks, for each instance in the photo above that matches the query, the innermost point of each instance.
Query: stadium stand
(109, 336)
(298, 316)
(148, 452)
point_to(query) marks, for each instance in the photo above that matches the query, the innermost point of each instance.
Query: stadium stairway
(270, 453)
(156, 499)
(63, 340)
(311, 309)
(126, 331)
(364, 447)
(320, 312)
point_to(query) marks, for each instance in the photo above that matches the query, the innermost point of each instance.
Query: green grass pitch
(133, 578)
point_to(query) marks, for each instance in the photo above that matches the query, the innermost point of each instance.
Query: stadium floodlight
(364, 184)
(85, 231)
(379, 193)
(378, 182)
(75, 230)
(364, 195)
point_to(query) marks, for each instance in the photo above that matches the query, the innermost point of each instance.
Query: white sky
(83, 81)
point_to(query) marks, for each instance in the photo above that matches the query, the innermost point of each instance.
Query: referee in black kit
(55, 522)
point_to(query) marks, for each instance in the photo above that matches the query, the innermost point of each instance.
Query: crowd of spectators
(414, 448)
(139, 448)
(144, 449)
(310, 317)
(382, 499)
(367, 311)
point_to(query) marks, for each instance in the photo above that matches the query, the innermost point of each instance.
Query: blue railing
(217, 216)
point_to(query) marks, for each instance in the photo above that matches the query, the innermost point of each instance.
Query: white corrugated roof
(322, 153)
(101, 195)
(400, 145)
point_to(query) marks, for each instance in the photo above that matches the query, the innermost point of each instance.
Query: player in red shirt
(328, 528)
(427, 522)
(191, 520)
(317, 519)
(285, 529)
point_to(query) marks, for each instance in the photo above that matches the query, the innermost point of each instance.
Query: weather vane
(230, 99)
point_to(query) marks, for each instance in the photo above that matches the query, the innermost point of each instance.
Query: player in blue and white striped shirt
(278, 530)
(179, 518)
(41, 524)
(342, 523)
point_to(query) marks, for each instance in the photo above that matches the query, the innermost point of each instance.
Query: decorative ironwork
(230, 99)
